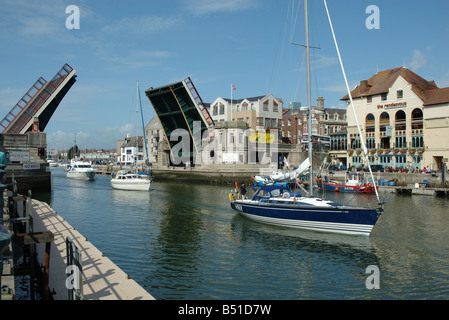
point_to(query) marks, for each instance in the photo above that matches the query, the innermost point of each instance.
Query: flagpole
(231, 98)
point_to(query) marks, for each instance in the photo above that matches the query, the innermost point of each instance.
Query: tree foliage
(73, 152)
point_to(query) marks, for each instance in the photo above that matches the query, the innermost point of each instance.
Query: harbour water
(183, 241)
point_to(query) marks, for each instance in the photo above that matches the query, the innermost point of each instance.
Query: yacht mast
(309, 124)
(137, 124)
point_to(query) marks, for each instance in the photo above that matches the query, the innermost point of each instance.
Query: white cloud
(418, 60)
(322, 61)
(202, 7)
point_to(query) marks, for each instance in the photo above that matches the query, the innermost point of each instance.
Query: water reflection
(329, 263)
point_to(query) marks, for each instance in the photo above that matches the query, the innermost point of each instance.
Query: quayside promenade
(102, 279)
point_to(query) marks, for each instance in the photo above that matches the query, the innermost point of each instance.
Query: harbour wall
(228, 174)
(210, 174)
(24, 164)
(402, 179)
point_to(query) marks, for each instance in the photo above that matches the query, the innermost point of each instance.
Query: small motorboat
(132, 181)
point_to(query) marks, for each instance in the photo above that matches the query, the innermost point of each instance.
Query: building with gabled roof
(259, 112)
(404, 119)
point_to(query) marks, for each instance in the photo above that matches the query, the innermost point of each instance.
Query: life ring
(231, 197)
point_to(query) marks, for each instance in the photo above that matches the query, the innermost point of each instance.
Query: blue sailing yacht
(275, 206)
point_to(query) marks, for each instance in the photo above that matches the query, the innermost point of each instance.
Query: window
(399, 94)
(369, 99)
(222, 109)
(371, 143)
(275, 107)
(267, 122)
(289, 122)
(383, 96)
(265, 106)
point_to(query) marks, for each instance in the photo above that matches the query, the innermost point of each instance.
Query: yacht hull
(345, 220)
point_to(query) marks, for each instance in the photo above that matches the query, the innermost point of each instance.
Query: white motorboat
(52, 163)
(80, 170)
(132, 181)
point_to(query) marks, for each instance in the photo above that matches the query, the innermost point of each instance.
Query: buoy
(336, 189)
(231, 197)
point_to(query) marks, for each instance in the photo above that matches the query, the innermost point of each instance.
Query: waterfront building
(324, 121)
(261, 112)
(154, 135)
(128, 152)
(404, 118)
(292, 125)
(333, 123)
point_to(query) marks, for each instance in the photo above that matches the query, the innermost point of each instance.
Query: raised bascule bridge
(179, 106)
(23, 136)
(40, 101)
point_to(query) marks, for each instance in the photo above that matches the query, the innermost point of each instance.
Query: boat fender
(231, 197)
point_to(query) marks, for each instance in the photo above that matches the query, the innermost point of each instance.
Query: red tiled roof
(436, 96)
(427, 91)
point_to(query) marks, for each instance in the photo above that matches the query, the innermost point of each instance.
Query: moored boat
(354, 182)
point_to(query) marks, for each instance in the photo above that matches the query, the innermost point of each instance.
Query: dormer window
(399, 94)
(383, 96)
(369, 99)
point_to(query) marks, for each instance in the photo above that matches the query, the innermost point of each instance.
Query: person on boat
(243, 191)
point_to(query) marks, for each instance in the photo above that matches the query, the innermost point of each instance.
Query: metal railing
(74, 282)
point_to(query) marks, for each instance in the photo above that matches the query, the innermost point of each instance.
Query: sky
(251, 44)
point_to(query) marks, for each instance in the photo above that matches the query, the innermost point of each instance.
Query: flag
(233, 87)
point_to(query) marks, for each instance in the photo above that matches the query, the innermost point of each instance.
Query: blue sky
(215, 43)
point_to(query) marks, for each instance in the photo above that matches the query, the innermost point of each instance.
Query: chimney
(320, 103)
(363, 86)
